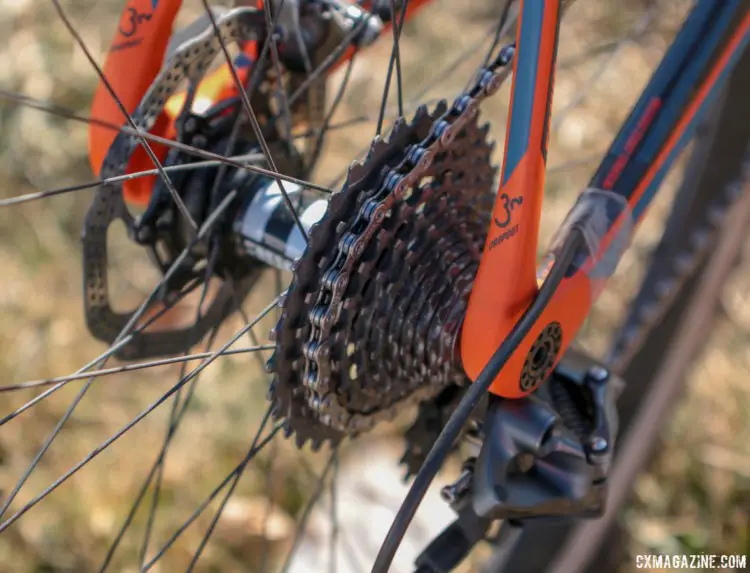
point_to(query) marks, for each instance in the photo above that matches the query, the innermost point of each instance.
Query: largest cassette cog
(391, 337)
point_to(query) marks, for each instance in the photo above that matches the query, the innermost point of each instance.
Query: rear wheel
(217, 467)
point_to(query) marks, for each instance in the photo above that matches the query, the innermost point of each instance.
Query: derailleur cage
(545, 456)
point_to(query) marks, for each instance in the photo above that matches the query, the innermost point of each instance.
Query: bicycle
(384, 312)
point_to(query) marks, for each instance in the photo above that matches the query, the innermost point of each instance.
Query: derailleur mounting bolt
(598, 445)
(598, 373)
(455, 491)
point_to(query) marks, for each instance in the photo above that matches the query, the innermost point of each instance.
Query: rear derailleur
(546, 456)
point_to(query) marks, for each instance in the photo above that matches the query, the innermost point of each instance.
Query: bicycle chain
(369, 376)
(316, 386)
(397, 184)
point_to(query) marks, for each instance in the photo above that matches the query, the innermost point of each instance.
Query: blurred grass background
(694, 498)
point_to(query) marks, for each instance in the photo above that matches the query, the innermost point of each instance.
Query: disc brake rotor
(189, 60)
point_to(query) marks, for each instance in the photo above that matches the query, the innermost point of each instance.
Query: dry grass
(694, 498)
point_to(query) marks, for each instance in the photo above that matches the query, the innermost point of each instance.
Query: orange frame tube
(507, 279)
(505, 285)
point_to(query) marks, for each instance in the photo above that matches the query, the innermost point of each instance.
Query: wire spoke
(256, 349)
(334, 107)
(254, 339)
(278, 285)
(254, 119)
(450, 69)
(498, 30)
(85, 371)
(253, 82)
(47, 443)
(207, 501)
(158, 462)
(105, 82)
(334, 519)
(26, 198)
(588, 54)
(508, 17)
(230, 491)
(280, 91)
(307, 511)
(639, 29)
(56, 110)
(236, 479)
(330, 60)
(94, 453)
(269, 509)
(395, 61)
(55, 432)
(172, 425)
(124, 334)
(397, 51)
(171, 431)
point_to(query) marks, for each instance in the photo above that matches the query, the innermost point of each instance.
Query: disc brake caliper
(544, 456)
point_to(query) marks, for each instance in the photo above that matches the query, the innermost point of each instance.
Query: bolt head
(598, 373)
(190, 125)
(448, 493)
(598, 445)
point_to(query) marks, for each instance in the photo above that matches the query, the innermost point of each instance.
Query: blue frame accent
(524, 83)
(653, 187)
(673, 63)
(684, 83)
(687, 60)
